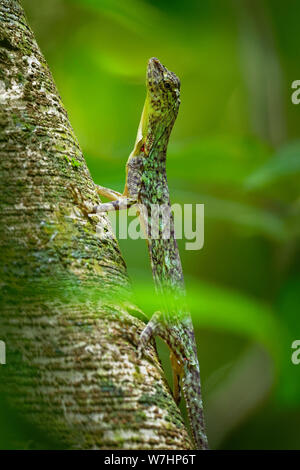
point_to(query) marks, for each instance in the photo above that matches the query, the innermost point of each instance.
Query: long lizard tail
(181, 341)
(193, 399)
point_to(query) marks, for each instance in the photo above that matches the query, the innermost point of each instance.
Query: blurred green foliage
(235, 147)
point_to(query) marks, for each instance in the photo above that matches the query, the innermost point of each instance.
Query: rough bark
(72, 368)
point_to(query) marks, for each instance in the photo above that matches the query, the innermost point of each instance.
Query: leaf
(222, 309)
(285, 162)
(231, 311)
(254, 219)
(135, 15)
(220, 159)
(288, 307)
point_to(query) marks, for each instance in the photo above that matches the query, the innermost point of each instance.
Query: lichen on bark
(72, 369)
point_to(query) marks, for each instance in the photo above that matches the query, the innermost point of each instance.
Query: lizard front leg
(119, 201)
(130, 194)
(156, 327)
(118, 204)
(109, 193)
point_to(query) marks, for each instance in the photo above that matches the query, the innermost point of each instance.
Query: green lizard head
(163, 89)
(160, 109)
(161, 106)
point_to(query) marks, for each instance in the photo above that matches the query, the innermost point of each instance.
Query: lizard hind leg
(152, 329)
(177, 375)
(156, 327)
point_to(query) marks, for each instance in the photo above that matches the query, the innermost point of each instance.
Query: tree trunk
(71, 368)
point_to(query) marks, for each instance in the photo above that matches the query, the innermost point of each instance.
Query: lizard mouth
(155, 70)
(158, 73)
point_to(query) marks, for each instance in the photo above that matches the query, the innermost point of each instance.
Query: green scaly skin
(146, 185)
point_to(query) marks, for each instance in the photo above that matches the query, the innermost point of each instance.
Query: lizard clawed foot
(85, 206)
(118, 204)
(109, 193)
(152, 328)
(88, 208)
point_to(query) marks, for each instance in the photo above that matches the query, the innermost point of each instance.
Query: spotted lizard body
(146, 185)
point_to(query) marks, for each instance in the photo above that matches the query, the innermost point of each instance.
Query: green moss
(140, 416)
(119, 440)
(162, 399)
(138, 377)
(72, 161)
(75, 163)
(110, 388)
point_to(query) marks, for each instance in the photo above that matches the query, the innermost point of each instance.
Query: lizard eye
(167, 85)
(143, 148)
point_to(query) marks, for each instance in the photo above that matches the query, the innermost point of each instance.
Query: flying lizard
(146, 186)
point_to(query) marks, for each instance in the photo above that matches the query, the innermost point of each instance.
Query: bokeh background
(235, 147)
